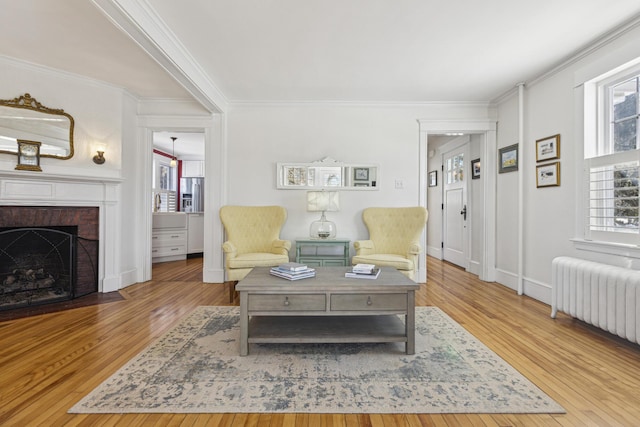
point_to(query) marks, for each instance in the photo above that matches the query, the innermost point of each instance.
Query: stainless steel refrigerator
(192, 195)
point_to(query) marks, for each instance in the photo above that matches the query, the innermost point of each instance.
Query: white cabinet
(192, 168)
(169, 237)
(169, 244)
(195, 241)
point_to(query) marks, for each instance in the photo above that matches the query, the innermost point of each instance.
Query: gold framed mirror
(24, 118)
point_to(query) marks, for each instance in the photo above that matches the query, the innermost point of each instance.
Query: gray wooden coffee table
(328, 308)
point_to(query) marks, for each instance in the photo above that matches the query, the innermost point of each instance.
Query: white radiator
(603, 295)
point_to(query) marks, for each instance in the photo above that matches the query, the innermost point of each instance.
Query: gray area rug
(195, 368)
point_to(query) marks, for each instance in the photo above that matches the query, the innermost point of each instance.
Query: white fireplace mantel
(38, 189)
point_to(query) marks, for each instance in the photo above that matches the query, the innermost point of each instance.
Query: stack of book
(363, 271)
(293, 271)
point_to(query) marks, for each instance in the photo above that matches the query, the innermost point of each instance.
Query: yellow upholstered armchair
(394, 235)
(252, 240)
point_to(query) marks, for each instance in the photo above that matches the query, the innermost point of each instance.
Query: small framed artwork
(548, 148)
(360, 184)
(28, 155)
(508, 159)
(548, 175)
(433, 178)
(475, 169)
(361, 174)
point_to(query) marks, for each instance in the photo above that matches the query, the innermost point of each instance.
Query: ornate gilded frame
(27, 102)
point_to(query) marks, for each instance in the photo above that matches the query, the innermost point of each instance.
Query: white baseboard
(213, 275)
(128, 278)
(434, 251)
(532, 288)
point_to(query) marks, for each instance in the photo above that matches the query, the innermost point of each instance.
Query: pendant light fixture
(174, 161)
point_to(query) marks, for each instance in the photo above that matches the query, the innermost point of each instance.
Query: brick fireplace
(47, 254)
(92, 202)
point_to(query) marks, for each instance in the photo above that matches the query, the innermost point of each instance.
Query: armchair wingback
(253, 238)
(394, 235)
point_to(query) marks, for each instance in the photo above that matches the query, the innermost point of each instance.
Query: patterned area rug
(195, 368)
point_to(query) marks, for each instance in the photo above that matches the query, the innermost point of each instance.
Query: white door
(455, 212)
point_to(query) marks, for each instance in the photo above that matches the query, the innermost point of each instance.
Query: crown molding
(139, 20)
(371, 104)
(580, 54)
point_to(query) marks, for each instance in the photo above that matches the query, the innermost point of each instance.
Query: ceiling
(402, 51)
(187, 146)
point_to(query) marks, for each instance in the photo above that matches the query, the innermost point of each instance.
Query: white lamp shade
(321, 201)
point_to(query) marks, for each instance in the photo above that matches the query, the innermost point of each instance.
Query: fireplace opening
(41, 265)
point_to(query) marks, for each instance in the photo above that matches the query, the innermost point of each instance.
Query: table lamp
(322, 201)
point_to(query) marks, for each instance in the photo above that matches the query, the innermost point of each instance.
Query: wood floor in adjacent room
(48, 362)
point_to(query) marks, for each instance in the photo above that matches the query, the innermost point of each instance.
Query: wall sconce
(99, 159)
(322, 201)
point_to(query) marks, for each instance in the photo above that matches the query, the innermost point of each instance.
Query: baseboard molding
(532, 288)
(213, 275)
(474, 267)
(435, 252)
(128, 278)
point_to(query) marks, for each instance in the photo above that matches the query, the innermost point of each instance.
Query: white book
(355, 275)
(363, 268)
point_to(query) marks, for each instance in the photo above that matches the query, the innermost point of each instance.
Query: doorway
(455, 233)
(480, 223)
(178, 192)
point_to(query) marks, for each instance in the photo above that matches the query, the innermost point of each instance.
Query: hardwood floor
(49, 361)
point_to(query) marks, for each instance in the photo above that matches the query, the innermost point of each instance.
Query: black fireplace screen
(40, 266)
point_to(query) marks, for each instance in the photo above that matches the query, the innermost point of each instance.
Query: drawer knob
(369, 302)
(286, 301)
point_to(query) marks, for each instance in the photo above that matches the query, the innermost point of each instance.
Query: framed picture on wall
(475, 169)
(433, 178)
(548, 175)
(508, 159)
(361, 174)
(548, 148)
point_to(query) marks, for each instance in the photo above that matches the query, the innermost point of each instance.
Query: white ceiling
(187, 146)
(320, 50)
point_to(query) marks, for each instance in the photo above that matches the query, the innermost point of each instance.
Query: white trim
(487, 127)
(610, 248)
(139, 20)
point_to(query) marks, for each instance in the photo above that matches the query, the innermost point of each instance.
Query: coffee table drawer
(284, 302)
(364, 302)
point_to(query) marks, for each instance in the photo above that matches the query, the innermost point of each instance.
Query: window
(612, 161)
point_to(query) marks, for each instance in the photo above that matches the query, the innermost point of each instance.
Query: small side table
(323, 252)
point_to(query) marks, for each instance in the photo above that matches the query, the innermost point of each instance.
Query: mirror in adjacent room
(24, 118)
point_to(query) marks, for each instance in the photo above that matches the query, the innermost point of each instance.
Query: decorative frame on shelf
(433, 178)
(508, 159)
(28, 155)
(475, 169)
(548, 175)
(548, 148)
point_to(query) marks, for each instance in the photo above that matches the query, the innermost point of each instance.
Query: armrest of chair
(414, 249)
(364, 247)
(229, 249)
(281, 247)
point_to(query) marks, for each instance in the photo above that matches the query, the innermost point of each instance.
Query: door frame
(486, 127)
(214, 131)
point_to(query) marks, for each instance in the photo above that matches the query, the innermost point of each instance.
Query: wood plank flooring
(49, 361)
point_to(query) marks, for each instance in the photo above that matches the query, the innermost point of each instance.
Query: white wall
(261, 136)
(96, 109)
(550, 107)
